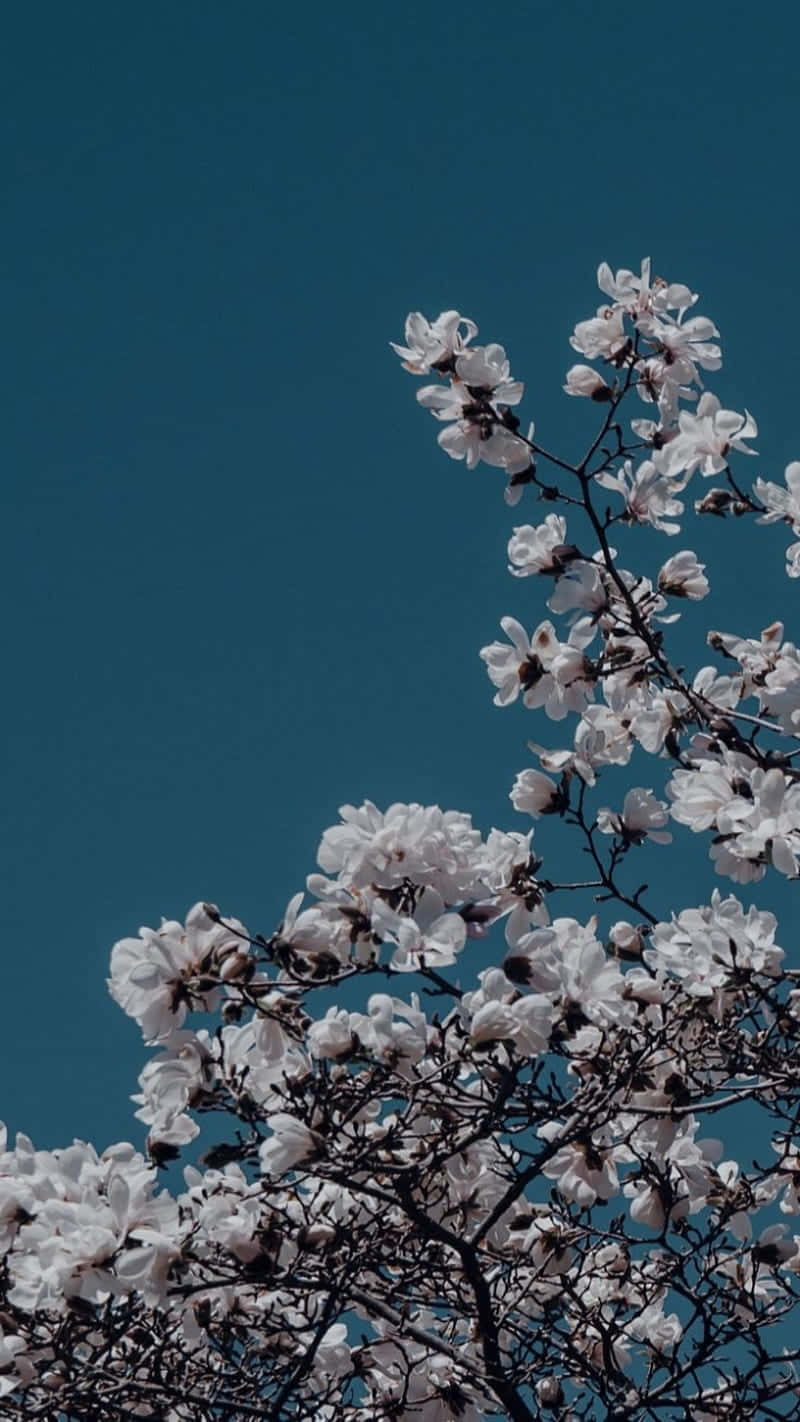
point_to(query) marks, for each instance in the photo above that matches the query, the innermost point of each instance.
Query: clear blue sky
(242, 585)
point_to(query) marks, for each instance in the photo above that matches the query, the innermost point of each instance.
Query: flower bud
(582, 380)
(549, 1392)
(236, 965)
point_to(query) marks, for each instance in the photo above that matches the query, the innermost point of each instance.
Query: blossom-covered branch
(409, 1190)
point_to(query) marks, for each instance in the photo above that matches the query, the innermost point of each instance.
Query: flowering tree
(499, 1200)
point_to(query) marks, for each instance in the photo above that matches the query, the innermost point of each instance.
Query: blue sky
(242, 585)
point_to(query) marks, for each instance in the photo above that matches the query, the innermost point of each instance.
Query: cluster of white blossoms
(608, 666)
(476, 404)
(400, 1208)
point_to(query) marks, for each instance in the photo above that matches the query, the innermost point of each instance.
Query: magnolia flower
(487, 369)
(472, 442)
(699, 794)
(631, 292)
(392, 1029)
(549, 673)
(473, 404)
(433, 344)
(660, 1332)
(705, 440)
(430, 938)
(685, 345)
(625, 939)
(290, 1143)
(770, 823)
(158, 976)
(99, 1230)
(639, 294)
(474, 433)
(583, 380)
(683, 576)
(331, 1352)
(431, 847)
(331, 1036)
(706, 947)
(642, 818)
(583, 1171)
(582, 588)
(602, 335)
(535, 794)
(566, 963)
(648, 494)
(538, 549)
(497, 1012)
(549, 1392)
(170, 1084)
(781, 503)
(786, 1178)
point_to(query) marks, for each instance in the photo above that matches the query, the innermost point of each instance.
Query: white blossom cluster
(476, 405)
(434, 1201)
(607, 665)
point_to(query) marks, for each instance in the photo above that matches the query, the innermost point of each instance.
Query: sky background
(241, 583)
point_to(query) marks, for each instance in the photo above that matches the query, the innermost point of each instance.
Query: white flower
(602, 335)
(97, 1229)
(770, 824)
(536, 549)
(157, 977)
(392, 1029)
(781, 503)
(549, 673)
(643, 817)
(683, 576)
(418, 842)
(430, 938)
(683, 345)
(472, 441)
(331, 1353)
(699, 794)
(756, 814)
(706, 947)
(496, 1012)
(170, 1083)
(583, 380)
(706, 439)
(535, 794)
(793, 560)
(786, 1178)
(473, 405)
(583, 1172)
(660, 1332)
(627, 290)
(648, 494)
(567, 963)
(290, 1143)
(626, 940)
(488, 370)
(580, 589)
(433, 344)
(332, 1035)
(639, 294)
